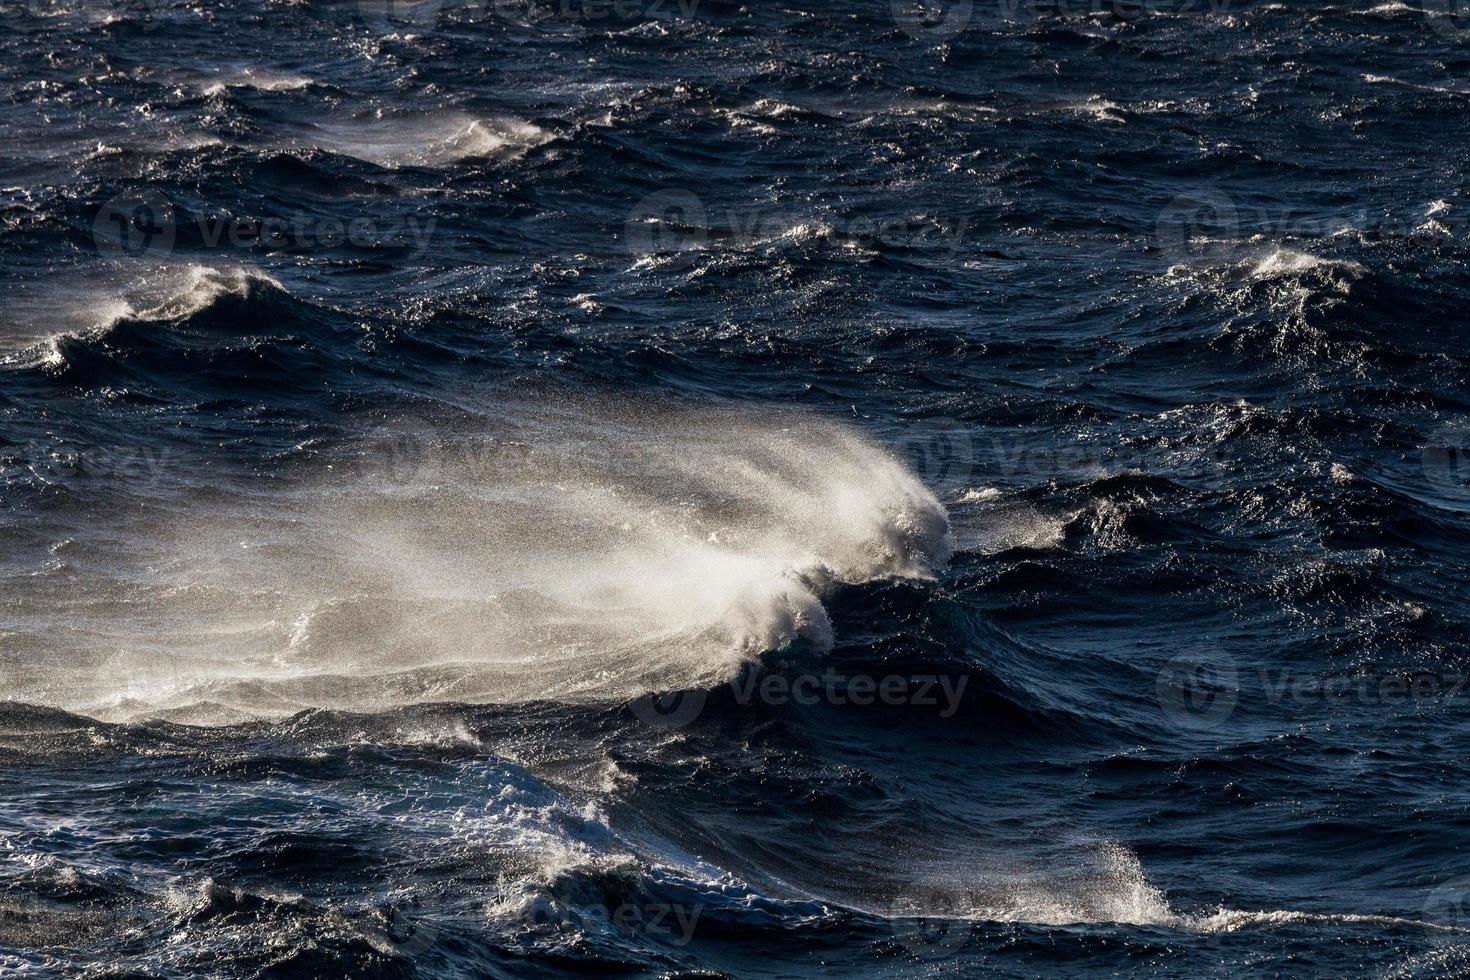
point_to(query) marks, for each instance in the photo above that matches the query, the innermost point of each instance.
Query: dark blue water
(691, 489)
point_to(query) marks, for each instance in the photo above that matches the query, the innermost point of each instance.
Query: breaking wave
(591, 551)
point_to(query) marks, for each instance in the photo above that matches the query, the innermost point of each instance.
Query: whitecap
(429, 140)
(572, 552)
(260, 79)
(40, 316)
(1288, 262)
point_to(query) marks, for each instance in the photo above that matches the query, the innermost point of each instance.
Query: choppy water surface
(680, 488)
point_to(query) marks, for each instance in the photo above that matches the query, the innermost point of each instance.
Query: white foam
(1421, 86)
(795, 231)
(619, 549)
(427, 140)
(260, 79)
(182, 291)
(35, 319)
(1100, 883)
(1093, 884)
(1099, 108)
(1112, 888)
(1234, 920)
(1287, 262)
(995, 530)
(39, 319)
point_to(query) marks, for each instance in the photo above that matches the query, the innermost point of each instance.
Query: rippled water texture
(675, 488)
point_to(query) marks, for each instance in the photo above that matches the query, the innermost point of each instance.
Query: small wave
(1103, 110)
(430, 140)
(198, 287)
(1234, 262)
(1234, 920)
(39, 314)
(260, 79)
(1102, 883)
(1287, 262)
(1099, 883)
(797, 232)
(1021, 527)
(168, 295)
(1421, 86)
(194, 332)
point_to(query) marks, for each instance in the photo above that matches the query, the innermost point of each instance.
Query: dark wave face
(682, 488)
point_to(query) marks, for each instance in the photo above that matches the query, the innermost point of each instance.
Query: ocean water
(684, 488)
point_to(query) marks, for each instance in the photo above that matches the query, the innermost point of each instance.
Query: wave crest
(597, 552)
